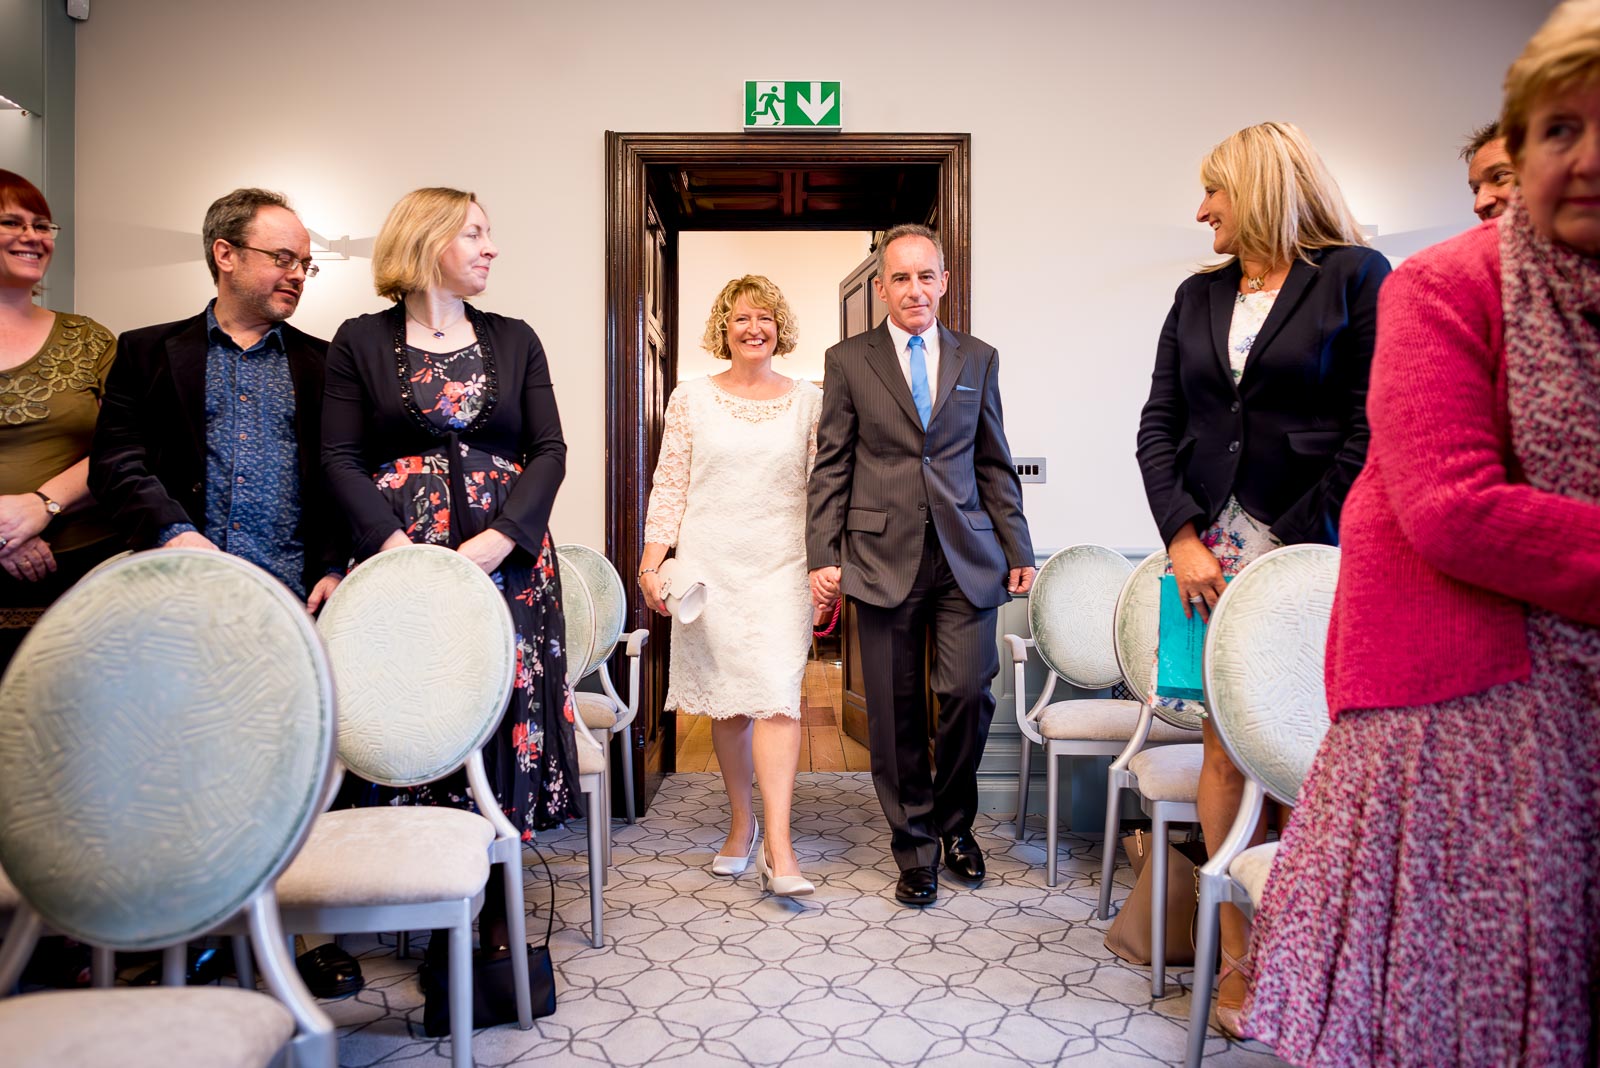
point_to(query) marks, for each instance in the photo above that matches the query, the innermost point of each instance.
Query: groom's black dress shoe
(918, 886)
(963, 858)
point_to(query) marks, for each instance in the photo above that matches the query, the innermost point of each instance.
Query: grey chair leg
(605, 827)
(461, 993)
(517, 930)
(1052, 790)
(402, 945)
(103, 967)
(1158, 904)
(175, 965)
(243, 964)
(627, 772)
(1108, 849)
(596, 868)
(1205, 972)
(1024, 756)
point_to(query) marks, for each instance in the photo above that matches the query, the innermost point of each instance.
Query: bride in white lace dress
(730, 494)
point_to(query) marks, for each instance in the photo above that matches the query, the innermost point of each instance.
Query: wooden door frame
(628, 158)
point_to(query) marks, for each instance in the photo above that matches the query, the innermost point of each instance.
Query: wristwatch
(53, 507)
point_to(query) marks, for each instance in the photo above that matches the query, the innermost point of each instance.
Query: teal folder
(1182, 643)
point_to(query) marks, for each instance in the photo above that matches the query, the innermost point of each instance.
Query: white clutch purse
(682, 589)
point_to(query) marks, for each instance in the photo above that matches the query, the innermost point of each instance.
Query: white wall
(1088, 122)
(806, 265)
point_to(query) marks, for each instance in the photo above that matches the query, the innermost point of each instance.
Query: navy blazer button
(1233, 446)
(1234, 407)
(926, 460)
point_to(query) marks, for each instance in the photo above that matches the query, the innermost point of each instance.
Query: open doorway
(660, 186)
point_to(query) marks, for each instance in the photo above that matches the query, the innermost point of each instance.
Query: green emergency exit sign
(791, 105)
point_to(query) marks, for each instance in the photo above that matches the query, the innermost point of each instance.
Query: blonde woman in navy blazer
(1256, 422)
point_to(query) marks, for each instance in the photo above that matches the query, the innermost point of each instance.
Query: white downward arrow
(814, 108)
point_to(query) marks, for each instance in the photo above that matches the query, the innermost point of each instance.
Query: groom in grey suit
(915, 512)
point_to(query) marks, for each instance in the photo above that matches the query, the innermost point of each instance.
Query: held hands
(825, 587)
(1199, 575)
(22, 516)
(27, 560)
(487, 549)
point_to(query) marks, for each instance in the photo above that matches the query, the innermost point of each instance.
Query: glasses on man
(10, 224)
(284, 260)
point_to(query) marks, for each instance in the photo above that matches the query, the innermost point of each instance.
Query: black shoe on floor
(329, 971)
(918, 886)
(963, 858)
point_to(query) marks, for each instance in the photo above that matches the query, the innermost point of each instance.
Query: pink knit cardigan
(1444, 546)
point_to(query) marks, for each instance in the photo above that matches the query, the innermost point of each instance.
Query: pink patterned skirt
(1437, 897)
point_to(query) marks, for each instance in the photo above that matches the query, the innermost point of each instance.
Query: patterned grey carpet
(706, 971)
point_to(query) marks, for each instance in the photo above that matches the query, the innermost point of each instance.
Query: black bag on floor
(494, 996)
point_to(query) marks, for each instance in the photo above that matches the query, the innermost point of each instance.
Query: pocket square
(965, 389)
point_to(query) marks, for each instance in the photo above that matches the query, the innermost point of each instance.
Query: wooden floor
(823, 744)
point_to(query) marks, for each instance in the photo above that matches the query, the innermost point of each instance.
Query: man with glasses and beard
(209, 437)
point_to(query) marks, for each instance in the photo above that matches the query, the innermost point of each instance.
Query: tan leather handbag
(1129, 936)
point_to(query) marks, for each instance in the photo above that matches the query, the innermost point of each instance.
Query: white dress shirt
(902, 350)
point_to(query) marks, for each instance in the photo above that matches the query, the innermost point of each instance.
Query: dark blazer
(369, 419)
(147, 465)
(1291, 437)
(879, 476)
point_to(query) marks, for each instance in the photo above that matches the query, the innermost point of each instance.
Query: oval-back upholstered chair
(166, 741)
(1076, 623)
(601, 633)
(1166, 779)
(1268, 702)
(423, 655)
(584, 613)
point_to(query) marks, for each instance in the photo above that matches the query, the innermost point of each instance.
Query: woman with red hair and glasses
(52, 370)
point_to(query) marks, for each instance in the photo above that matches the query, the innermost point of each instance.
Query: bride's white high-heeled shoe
(781, 885)
(726, 865)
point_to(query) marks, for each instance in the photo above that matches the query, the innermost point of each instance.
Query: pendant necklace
(425, 326)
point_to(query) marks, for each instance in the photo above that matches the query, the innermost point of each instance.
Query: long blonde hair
(1284, 197)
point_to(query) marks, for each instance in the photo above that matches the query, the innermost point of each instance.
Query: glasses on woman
(10, 224)
(284, 260)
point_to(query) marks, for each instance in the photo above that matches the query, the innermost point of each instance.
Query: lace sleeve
(811, 440)
(669, 488)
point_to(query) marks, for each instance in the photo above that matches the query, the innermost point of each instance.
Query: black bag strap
(550, 925)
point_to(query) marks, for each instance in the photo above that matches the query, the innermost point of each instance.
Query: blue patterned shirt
(252, 456)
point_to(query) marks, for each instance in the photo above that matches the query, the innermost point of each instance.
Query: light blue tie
(919, 380)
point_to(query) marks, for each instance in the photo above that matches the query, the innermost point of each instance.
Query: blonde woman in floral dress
(729, 495)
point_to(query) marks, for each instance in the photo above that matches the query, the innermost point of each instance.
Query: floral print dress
(532, 758)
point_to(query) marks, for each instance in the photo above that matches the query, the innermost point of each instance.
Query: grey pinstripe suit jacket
(879, 476)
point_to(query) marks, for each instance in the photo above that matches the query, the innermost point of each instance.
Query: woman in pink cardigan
(1437, 896)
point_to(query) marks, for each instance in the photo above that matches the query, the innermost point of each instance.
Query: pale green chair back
(1071, 610)
(166, 737)
(424, 654)
(597, 626)
(1264, 654)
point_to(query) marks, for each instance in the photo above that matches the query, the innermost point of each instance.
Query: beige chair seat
(1251, 868)
(591, 759)
(599, 712)
(1106, 721)
(220, 1027)
(1169, 772)
(402, 855)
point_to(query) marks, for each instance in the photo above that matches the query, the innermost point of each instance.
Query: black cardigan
(369, 419)
(1291, 436)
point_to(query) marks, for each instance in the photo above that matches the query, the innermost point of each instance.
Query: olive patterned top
(48, 407)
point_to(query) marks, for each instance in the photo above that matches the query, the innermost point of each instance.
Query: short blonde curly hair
(761, 293)
(1563, 55)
